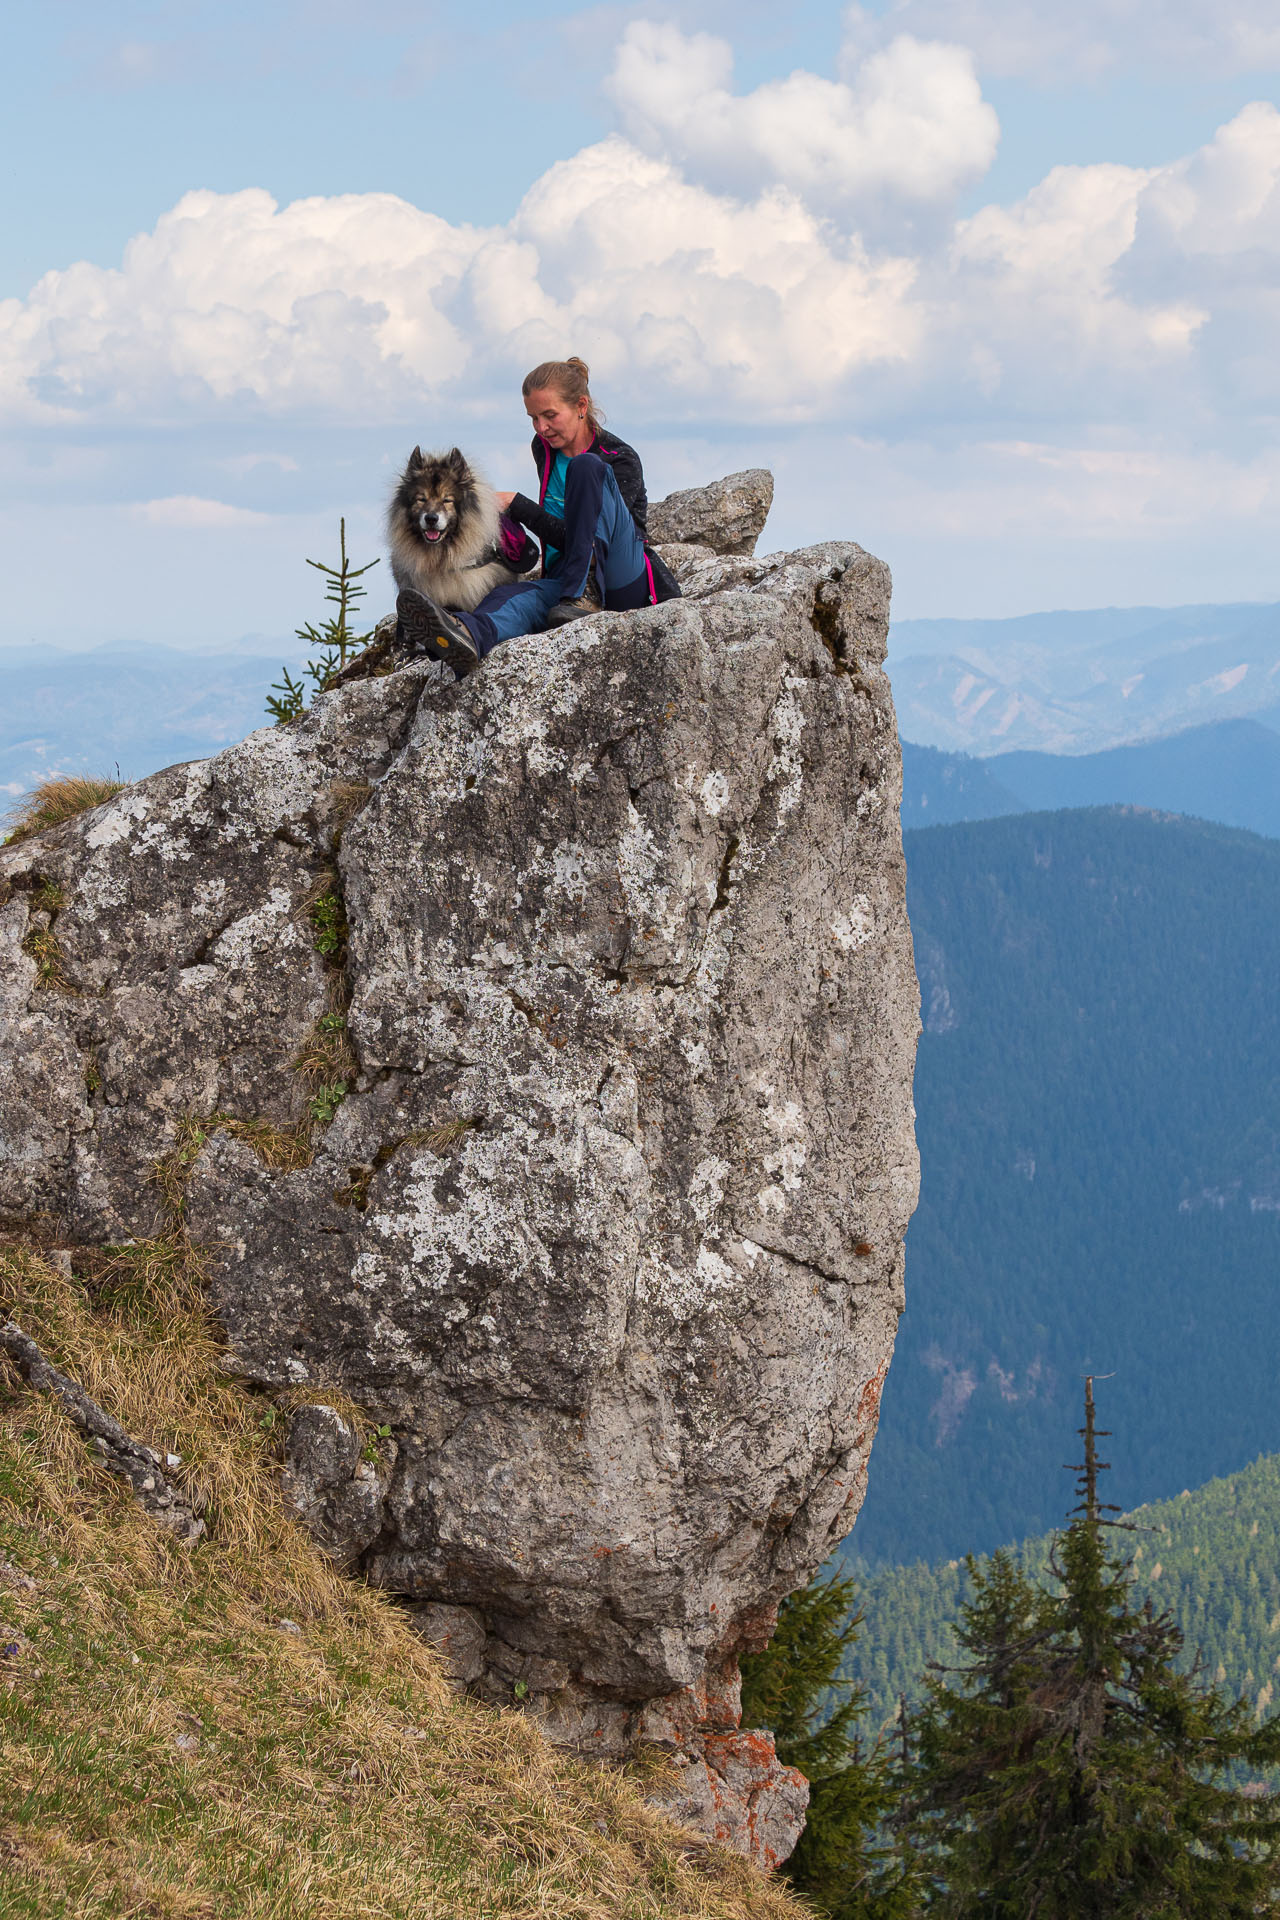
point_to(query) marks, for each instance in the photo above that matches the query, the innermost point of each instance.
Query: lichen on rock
(608, 1227)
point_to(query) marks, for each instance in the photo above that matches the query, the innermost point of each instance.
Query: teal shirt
(553, 499)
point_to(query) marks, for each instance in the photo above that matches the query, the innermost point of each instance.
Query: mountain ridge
(1210, 1556)
(1074, 683)
(1225, 770)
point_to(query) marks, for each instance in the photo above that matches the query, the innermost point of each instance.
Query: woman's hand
(504, 500)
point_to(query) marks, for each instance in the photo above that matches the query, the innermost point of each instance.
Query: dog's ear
(416, 461)
(456, 462)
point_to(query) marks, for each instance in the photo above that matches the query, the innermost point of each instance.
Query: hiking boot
(588, 601)
(426, 628)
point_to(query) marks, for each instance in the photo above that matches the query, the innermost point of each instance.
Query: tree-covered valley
(1098, 1097)
(1209, 1556)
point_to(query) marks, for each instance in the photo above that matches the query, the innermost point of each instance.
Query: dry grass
(167, 1749)
(327, 1058)
(42, 945)
(440, 1139)
(56, 801)
(284, 1148)
(346, 800)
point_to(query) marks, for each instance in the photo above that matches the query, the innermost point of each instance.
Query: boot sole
(421, 630)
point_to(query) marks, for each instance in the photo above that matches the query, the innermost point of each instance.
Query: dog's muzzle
(433, 526)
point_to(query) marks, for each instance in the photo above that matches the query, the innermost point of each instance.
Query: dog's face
(435, 491)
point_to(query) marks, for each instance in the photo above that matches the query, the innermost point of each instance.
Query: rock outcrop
(533, 1057)
(726, 517)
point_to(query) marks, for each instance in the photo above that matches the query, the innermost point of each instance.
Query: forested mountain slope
(1211, 1558)
(1098, 1095)
(1229, 772)
(940, 789)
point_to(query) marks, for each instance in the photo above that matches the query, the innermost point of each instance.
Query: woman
(589, 516)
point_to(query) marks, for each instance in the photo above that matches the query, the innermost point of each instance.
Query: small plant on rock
(41, 944)
(329, 923)
(334, 642)
(326, 1100)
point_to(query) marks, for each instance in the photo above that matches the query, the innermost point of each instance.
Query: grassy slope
(168, 1748)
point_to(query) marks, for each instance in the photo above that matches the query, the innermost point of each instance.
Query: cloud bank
(910, 124)
(731, 263)
(702, 261)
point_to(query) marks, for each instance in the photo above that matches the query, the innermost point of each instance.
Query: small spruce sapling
(334, 640)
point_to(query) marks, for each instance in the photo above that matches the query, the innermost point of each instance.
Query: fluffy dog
(447, 537)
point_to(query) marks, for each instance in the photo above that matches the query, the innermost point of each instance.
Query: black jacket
(629, 475)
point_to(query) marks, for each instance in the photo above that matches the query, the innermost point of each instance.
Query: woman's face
(561, 423)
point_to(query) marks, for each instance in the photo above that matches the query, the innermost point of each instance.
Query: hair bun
(581, 365)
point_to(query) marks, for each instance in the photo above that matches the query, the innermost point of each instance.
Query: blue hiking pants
(597, 522)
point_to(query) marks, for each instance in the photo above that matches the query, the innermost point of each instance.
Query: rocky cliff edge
(532, 1055)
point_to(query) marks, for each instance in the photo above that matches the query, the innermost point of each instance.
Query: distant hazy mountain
(139, 708)
(941, 789)
(1229, 771)
(1098, 1110)
(1077, 682)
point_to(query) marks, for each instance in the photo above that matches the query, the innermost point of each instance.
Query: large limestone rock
(607, 1229)
(727, 516)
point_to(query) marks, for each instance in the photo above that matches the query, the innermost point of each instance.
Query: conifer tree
(845, 1862)
(1072, 1771)
(334, 640)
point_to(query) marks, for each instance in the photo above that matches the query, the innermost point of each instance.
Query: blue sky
(991, 284)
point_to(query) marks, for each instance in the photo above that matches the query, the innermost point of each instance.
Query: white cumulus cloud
(1107, 294)
(910, 122)
(232, 302)
(1114, 294)
(362, 306)
(1068, 361)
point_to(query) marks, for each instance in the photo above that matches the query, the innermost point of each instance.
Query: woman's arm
(548, 528)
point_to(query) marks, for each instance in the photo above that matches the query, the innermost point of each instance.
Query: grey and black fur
(443, 531)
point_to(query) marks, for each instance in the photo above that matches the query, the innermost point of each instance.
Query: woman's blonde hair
(570, 379)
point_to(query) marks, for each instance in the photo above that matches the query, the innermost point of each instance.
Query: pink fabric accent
(653, 591)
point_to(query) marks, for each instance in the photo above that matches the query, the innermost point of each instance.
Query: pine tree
(1074, 1773)
(844, 1863)
(334, 641)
